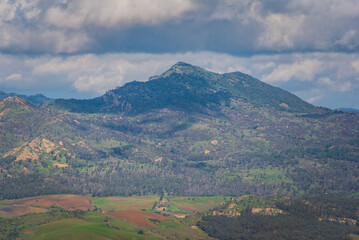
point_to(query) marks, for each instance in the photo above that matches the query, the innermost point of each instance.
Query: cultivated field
(82, 217)
(63, 201)
(122, 203)
(139, 218)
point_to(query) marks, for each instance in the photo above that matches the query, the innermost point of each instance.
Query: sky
(83, 48)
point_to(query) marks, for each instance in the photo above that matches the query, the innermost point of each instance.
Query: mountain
(348, 109)
(189, 88)
(29, 127)
(185, 132)
(36, 99)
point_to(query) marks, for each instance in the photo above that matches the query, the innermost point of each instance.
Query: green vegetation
(79, 229)
(246, 217)
(188, 132)
(283, 218)
(355, 195)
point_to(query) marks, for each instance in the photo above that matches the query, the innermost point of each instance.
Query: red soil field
(138, 217)
(64, 201)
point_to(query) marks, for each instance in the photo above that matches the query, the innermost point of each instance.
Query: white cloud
(233, 9)
(114, 13)
(98, 73)
(281, 31)
(54, 41)
(335, 86)
(78, 26)
(275, 31)
(11, 10)
(295, 24)
(349, 40)
(325, 81)
(304, 70)
(345, 86)
(315, 98)
(7, 10)
(341, 8)
(14, 77)
(355, 65)
(264, 66)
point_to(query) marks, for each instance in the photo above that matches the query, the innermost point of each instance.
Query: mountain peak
(183, 68)
(15, 101)
(36, 99)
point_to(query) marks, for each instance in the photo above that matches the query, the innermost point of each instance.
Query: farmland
(175, 217)
(81, 217)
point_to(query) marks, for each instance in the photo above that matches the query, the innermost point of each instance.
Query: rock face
(39, 147)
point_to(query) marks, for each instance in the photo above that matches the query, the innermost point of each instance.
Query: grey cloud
(307, 47)
(112, 13)
(15, 10)
(158, 26)
(304, 70)
(350, 40)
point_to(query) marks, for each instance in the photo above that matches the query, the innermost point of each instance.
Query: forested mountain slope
(185, 132)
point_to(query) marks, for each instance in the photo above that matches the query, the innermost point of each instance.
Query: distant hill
(348, 109)
(36, 99)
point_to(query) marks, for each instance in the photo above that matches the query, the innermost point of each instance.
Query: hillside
(185, 132)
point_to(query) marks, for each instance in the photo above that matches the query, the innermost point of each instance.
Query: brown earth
(267, 211)
(188, 207)
(64, 201)
(4, 112)
(130, 203)
(28, 232)
(60, 165)
(191, 207)
(33, 149)
(21, 210)
(138, 217)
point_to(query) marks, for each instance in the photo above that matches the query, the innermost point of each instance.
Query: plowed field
(64, 201)
(138, 217)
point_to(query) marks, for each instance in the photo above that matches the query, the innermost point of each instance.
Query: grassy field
(129, 203)
(355, 195)
(191, 204)
(80, 217)
(354, 236)
(81, 229)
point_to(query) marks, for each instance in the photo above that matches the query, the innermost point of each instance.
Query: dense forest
(285, 218)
